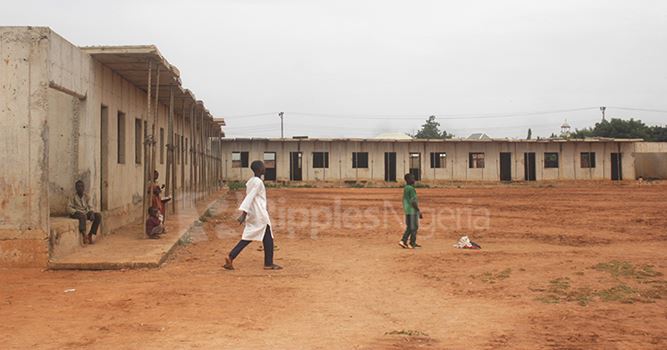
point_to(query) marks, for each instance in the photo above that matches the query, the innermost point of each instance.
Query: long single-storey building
(105, 115)
(432, 161)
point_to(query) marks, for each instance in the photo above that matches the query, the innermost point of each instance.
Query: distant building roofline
(545, 140)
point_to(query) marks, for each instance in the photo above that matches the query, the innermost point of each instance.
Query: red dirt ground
(563, 266)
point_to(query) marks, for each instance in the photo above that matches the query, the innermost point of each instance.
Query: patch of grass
(559, 285)
(421, 185)
(407, 332)
(186, 239)
(207, 214)
(236, 185)
(504, 274)
(493, 277)
(559, 291)
(647, 271)
(581, 296)
(303, 185)
(658, 290)
(549, 299)
(619, 268)
(621, 293)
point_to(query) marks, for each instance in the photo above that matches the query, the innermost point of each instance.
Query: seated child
(154, 226)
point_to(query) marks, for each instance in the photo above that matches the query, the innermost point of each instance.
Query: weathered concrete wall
(651, 160)
(63, 146)
(24, 208)
(651, 147)
(456, 164)
(651, 165)
(80, 151)
(51, 135)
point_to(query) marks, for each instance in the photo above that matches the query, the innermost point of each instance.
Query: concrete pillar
(24, 205)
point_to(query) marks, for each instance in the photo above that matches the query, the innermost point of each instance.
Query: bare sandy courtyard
(563, 266)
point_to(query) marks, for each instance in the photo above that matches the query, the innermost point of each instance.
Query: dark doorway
(390, 166)
(505, 166)
(616, 167)
(529, 166)
(104, 157)
(416, 165)
(295, 166)
(270, 165)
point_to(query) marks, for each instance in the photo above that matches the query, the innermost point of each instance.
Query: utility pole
(602, 109)
(282, 130)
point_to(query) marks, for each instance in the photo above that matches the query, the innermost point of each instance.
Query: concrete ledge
(128, 247)
(64, 236)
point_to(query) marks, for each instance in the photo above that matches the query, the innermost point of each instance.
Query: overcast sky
(360, 68)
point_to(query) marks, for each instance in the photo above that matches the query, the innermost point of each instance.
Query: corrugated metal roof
(131, 62)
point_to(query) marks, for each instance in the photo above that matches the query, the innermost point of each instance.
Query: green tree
(530, 134)
(431, 130)
(581, 134)
(623, 129)
(657, 134)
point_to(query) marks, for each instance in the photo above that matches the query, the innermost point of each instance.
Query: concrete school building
(433, 161)
(105, 115)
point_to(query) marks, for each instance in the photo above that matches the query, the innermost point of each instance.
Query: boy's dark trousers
(268, 247)
(411, 227)
(96, 218)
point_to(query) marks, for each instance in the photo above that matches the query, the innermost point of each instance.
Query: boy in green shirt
(412, 214)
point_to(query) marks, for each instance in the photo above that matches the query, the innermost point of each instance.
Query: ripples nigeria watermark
(338, 215)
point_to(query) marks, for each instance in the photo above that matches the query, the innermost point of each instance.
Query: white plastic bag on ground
(465, 243)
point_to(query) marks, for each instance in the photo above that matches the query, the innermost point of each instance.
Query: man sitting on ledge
(79, 208)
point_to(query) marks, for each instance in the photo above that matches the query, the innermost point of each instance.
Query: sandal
(273, 267)
(228, 264)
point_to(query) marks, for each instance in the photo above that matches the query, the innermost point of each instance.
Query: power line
(639, 109)
(442, 116)
(269, 126)
(308, 126)
(250, 115)
(420, 115)
(274, 124)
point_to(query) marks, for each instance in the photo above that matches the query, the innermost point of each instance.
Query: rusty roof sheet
(132, 61)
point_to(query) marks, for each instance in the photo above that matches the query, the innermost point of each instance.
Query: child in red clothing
(157, 203)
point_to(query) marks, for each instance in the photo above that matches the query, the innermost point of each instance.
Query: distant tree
(431, 130)
(582, 134)
(623, 129)
(553, 136)
(657, 134)
(530, 134)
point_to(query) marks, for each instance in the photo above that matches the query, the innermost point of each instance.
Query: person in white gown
(255, 215)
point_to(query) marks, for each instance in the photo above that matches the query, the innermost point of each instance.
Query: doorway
(295, 166)
(104, 158)
(505, 166)
(529, 166)
(415, 165)
(390, 166)
(270, 165)
(616, 167)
